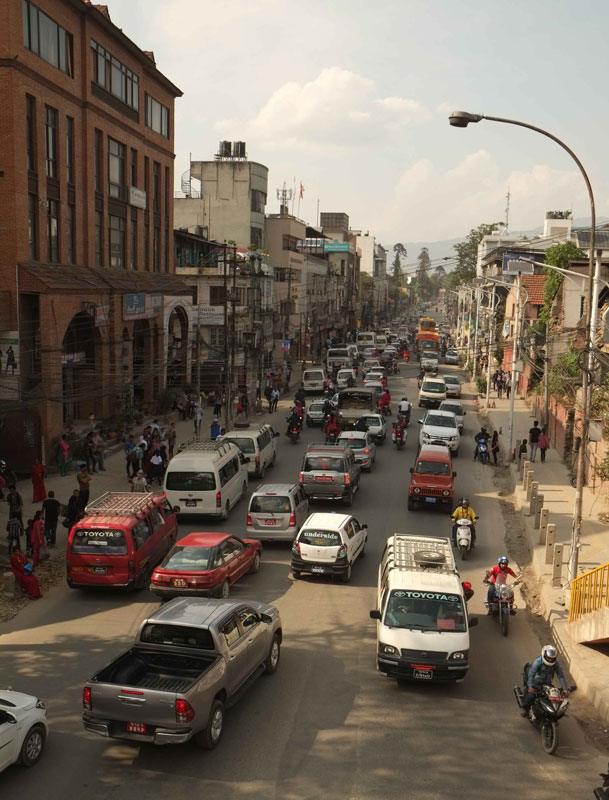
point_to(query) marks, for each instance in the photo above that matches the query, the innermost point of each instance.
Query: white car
(362, 444)
(23, 728)
(456, 408)
(315, 413)
(374, 375)
(453, 385)
(328, 544)
(451, 357)
(369, 352)
(370, 363)
(345, 377)
(377, 427)
(440, 427)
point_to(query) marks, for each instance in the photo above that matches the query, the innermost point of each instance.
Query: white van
(258, 445)
(422, 620)
(206, 478)
(381, 342)
(337, 358)
(432, 392)
(365, 339)
(313, 379)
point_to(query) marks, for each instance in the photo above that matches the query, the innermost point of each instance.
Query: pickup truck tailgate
(125, 704)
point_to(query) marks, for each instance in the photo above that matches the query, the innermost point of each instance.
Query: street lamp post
(461, 119)
(475, 371)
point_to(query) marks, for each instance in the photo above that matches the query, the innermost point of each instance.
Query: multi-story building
(373, 262)
(86, 245)
(344, 264)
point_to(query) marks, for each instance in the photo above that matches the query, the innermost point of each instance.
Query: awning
(42, 278)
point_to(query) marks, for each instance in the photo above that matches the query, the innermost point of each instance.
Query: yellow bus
(427, 324)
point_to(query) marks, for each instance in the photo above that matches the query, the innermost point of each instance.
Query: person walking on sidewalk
(523, 449)
(499, 386)
(99, 447)
(507, 383)
(131, 456)
(90, 452)
(534, 434)
(37, 537)
(64, 455)
(51, 508)
(172, 435)
(543, 443)
(84, 482)
(198, 418)
(15, 503)
(495, 446)
(38, 475)
(274, 398)
(14, 532)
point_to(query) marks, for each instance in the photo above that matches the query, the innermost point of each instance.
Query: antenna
(284, 196)
(507, 210)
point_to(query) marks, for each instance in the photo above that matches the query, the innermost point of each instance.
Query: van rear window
(274, 504)
(321, 463)
(320, 538)
(245, 445)
(110, 542)
(313, 376)
(190, 481)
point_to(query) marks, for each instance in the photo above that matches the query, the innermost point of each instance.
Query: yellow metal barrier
(589, 592)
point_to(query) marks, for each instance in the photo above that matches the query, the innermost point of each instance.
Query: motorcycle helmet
(548, 655)
(503, 562)
(464, 501)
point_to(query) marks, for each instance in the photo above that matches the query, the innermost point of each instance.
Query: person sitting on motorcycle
(327, 408)
(482, 435)
(496, 576)
(421, 377)
(404, 406)
(385, 400)
(541, 673)
(464, 511)
(299, 411)
(332, 425)
(300, 396)
(294, 421)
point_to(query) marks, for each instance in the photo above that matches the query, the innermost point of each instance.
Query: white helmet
(548, 655)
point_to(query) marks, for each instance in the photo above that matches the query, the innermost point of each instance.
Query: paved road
(326, 725)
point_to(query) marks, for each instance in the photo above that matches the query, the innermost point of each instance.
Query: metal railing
(589, 592)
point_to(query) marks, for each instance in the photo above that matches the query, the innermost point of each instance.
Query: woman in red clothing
(37, 536)
(22, 570)
(38, 476)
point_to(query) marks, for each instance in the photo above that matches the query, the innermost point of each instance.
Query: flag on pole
(302, 191)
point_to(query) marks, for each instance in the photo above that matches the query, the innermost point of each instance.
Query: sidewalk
(588, 665)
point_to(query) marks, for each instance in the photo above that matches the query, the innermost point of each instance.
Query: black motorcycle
(398, 435)
(294, 433)
(550, 705)
(601, 793)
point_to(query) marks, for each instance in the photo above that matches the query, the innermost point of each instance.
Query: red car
(204, 564)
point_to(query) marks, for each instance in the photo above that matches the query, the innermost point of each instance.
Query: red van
(120, 540)
(431, 482)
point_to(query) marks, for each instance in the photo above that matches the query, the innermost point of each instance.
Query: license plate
(190, 503)
(136, 727)
(270, 522)
(99, 570)
(318, 569)
(430, 499)
(325, 478)
(178, 582)
(423, 674)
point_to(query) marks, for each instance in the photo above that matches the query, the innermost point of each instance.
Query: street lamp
(461, 119)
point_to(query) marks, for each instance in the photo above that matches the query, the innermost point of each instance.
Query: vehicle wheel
(346, 576)
(210, 737)
(32, 746)
(296, 574)
(549, 737)
(272, 660)
(411, 504)
(456, 453)
(348, 500)
(505, 624)
(463, 550)
(224, 591)
(255, 564)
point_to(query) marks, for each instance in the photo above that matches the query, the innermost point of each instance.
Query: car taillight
(184, 712)
(300, 477)
(257, 460)
(342, 552)
(218, 499)
(160, 578)
(86, 698)
(249, 519)
(296, 548)
(292, 519)
(347, 479)
(366, 450)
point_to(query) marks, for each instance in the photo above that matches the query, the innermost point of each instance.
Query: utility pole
(198, 351)
(226, 384)
(233, 334)
(546, 379)
(491, 339)
(469, 326)
(476, 333)
(513, 375)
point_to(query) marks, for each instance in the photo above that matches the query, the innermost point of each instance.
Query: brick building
(86, 229)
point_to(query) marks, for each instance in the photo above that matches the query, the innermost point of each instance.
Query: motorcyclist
(464, 511)
(385, 401)
(421, 377)
(482, 435)
(300, 395)
(299, 411)
(404, 406)
(498, 575)
(294, 421)
(327, 407)
(541, 673)
(332, 425)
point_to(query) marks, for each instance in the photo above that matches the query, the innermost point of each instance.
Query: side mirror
(268, 620)
(420, 421)
(473, 621)
(276, 434)
(411, 470)
(375, 614)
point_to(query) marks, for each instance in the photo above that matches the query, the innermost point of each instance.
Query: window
(147, 180)
(109, 542)
(256, 237)
(70, 150)
(141, 533)
(216, 296)
(156, 520)
(156, 186)
(43, 36)
(98, 161)
(33, 226)
(156, 249)
(133, 169)
(114, 77)
(30, 131)
(116, 240)
(290, 243)
(71, 225)
(133, 247)
(167, 201)
(116, 169)
(53, 231)
(258, 201)
(190, 481)
(231, 632)
(51, 141)
(247, 619)
(216, 337)
(146, 246)
(99, 239)
(157, 116)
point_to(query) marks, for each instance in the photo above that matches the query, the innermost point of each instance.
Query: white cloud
(337, 109)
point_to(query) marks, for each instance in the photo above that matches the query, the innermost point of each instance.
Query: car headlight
(416, 490)
(459, 655)
(446, 492)
(387, 649)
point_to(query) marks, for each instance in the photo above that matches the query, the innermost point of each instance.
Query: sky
(351, 98)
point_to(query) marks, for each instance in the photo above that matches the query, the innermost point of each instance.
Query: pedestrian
(74, 510)
(29, 550)
(543, 443)
(239, 407)
(155, 425)
(24, 580)
(157, 466)
(172, 435)
(198, 418)
(99, 448)
(523, 449)
(507, 382)
(534, 433)
(218, 402)
(214, 430)
(274, 398)
(38, 475)
(15, 503)
(84, 483)
(51, 508)
(37, 537)
(90, 452)
(14, 532)
(495, 446)
(139, 483)
(10, 360)
(64, 456)
(130, 456)
(499, 384)
(494, 380)
(245, 403)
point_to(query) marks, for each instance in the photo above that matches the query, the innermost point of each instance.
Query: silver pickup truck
(190, 661)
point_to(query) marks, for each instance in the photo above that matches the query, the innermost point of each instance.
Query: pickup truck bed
(149, 669)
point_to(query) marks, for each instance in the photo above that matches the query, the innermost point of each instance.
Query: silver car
(362, 444)
(453, 385)
(455, 407)
(276, 511)
(451, 357)
(315, 413)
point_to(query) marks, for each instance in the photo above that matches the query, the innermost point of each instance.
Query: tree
(423, 282)
(439, 272)
(400, 252)
(467, 254)
(559, 255)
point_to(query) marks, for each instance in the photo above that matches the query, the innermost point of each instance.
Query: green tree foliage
(559, 255)
(399, 252)
(467, 255)
(422, 279)
(565, 377)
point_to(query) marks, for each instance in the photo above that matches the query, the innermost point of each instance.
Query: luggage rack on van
(201, 445)
(123, 504)
(409, 551)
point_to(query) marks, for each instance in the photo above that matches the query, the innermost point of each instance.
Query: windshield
(372, 421)
(274, 504)
(338, 354)
(189, 559)
(353, 440)
(322, 463)
(319, 538)
(355, 400)
(177, 635)
(432, 468)
(425, 611)
(451, 379)
(313, 376)
(452, 408)
(190, 481)
(109, 542)
(440, 421)
(245, 445)
(434, 388)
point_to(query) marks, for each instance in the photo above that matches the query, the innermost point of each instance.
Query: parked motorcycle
(398, 435)
(464, 536)
(483, 454)
(503, 606)
(550, 705)
(602, 792)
